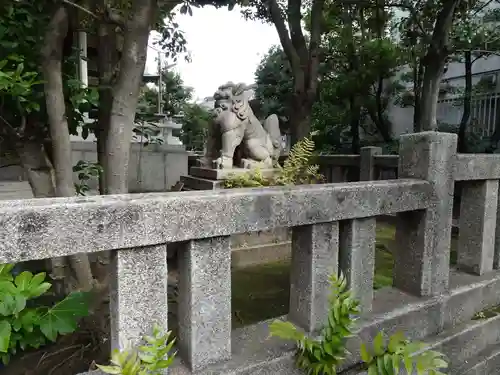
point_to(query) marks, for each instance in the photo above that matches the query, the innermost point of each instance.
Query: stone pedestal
(210, 179)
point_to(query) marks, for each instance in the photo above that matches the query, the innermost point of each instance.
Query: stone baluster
(204, 305)
(337, 174)
(422, 251)
(138, 294)
(314, 260)
(357, 258)
(367, 168)
(478, 216)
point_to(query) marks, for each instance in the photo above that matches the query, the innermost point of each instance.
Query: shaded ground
(258, 293)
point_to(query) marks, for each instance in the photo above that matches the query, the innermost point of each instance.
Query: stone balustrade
(333, 228)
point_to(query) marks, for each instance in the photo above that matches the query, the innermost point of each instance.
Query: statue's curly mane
(234, 93)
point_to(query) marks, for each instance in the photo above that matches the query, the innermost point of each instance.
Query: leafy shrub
(86, 171)
(23, 327)
(297, 169)
(149, 359)
(324, 354)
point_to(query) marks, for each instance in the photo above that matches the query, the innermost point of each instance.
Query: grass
(262, 292)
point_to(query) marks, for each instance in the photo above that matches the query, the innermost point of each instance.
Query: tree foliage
(174, 95)
(195, 121)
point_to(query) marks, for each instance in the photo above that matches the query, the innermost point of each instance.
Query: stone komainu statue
(236, 128)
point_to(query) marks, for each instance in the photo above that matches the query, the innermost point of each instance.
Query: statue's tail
(272, 126)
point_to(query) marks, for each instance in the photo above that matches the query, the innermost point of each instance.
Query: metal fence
(484, 108)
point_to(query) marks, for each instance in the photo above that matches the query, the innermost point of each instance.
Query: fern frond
(298, 168)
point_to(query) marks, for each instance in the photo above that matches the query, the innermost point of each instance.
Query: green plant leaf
(365, 355)
(113, 370)
(5, 333)
(285, 330)
(378, 344)
(62, 317)
(6, 271)
(23, 280)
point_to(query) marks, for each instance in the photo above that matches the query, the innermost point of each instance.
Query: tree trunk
(304, 60)
(434, 63)
(300, 118)
(38, 168)
(382, 125)
(354, 125)
(52, 54)
(430, 94)
(107, 61)
(126, 94)
(462, 141)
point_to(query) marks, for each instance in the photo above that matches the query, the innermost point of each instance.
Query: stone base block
(197, 183)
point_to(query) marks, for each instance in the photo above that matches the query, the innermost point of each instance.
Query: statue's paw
(222, 163)
(246, 164)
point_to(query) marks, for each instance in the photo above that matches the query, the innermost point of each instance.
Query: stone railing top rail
(45, 228)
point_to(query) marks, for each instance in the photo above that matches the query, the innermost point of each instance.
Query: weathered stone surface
(357, 258)
(205, 302)
(478, 216)
(477, 167)
(421, 262)
(138, 294)
(314, 259)
(31, 229)
(253, 352)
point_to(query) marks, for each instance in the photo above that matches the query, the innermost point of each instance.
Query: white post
(82, 46)
(83, 68)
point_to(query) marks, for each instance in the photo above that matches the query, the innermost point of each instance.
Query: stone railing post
(478, 217)
(422, 254)
(204, 301)
(138, 294)
(314, 260)
(357, 258)
(367, 167)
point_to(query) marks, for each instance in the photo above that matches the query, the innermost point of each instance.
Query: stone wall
(152, 168)
(333, 228)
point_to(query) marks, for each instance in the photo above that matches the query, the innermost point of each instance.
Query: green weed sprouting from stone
(324, 355)
(148, 359)
(388, 359)
(23, 327)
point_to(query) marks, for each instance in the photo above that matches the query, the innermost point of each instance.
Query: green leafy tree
(175, 95)
(195, 121)
(302, 53)
(357, 60)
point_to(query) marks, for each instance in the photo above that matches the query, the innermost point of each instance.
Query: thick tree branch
(110, 15)
(314, 44)
(286, 42)
(295, 27)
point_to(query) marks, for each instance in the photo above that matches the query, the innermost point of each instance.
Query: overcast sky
(224, 47)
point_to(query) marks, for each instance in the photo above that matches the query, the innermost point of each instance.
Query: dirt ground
(72, 354)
